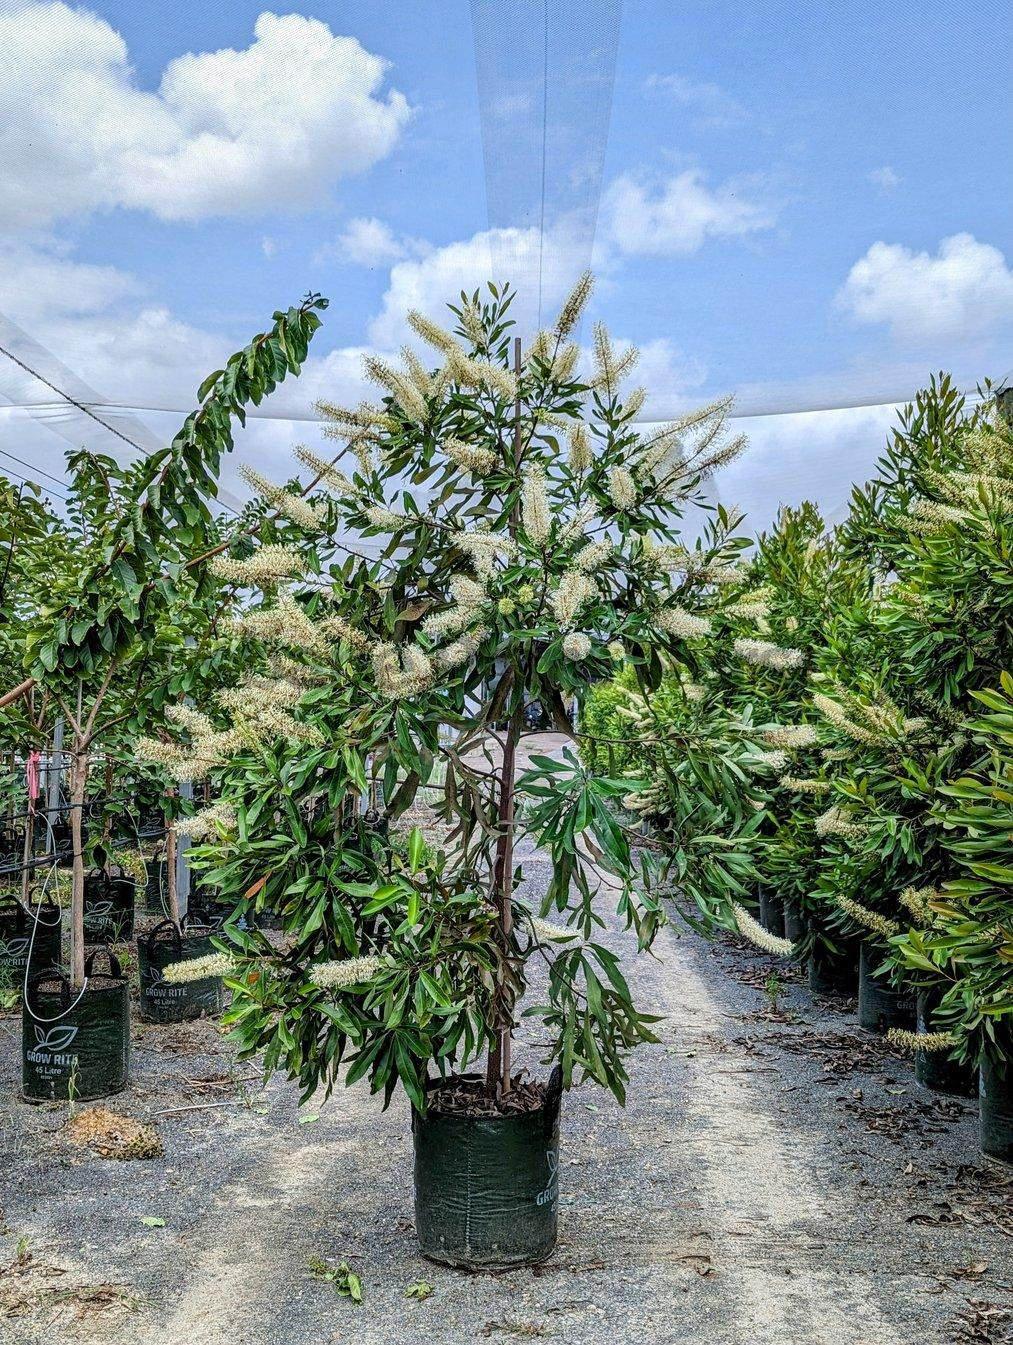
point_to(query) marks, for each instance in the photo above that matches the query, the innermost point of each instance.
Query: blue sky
(811, 208)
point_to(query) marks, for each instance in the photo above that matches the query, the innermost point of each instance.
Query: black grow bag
(794, 921)
(487, 1187)
(108, 906)
(16, 930)
(880, 1006)
(833, 970)
(156, 887)
(772, 914)
(935, 1069)
(164, 1003)
(76, 1046)
(995, 1097)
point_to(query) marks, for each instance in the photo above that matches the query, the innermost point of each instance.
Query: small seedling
(343, 1277)
(152, 1221)
(772, 988)
(420, 1290)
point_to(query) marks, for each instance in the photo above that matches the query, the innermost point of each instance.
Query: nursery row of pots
(76, 1043)
(849, 967)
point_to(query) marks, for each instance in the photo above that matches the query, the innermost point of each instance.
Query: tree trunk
(498, 1074)
(172, 895)
(78, 784)
(26, 855)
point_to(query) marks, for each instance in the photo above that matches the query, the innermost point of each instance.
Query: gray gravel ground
(775, 1178)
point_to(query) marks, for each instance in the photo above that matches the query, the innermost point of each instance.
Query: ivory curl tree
(139, 572)
(528, 540)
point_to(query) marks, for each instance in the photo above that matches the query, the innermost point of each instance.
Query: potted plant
(145, 539)
(527, 538)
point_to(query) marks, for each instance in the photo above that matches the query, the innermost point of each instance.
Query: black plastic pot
(16, 927)
(76, 1046)
(164, 1003)
(156, 887)
(833, 970)
(880, 1006)
(487, 1188)
(935, 1069)
(794, 921)
(995, 1097)
(772, 913)
(108, 907)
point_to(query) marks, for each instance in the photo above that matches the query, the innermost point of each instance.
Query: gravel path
(776, 1178)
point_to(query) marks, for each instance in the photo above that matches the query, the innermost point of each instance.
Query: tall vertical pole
(183, 859)
(55, 771)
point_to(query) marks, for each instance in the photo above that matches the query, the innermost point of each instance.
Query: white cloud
(714, 107)
(268, 247)
(678, 215)
(371, 242)
(427, 283)
(227, 132)
(885, 177)
(964, 292)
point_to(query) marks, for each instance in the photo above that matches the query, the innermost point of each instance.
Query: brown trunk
(26, 856)
(170, 872)
(498, 1075)
(498, 1072)
(78, 785)
(107, 826)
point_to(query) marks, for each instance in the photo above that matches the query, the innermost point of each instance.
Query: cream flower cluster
(574, 591)
(609, 368)
(482, 374)
(284, 623)
(753, 931)
(580, 458)
(621, 489)
(348, 972)
(206, 823)
(400, 386)
(879, 924)
(401, 670)
(916, 900)
(470, 457)
(837, 822)
(294, 507)
(803, 786)
(573, 308)
(766, 655)
(792, 737)
(326, 471)
(482, 547)
(536, 516)
(266, 566)
(683, 625)
(199, 969)
(576, 646)
(594, 555)
(387, 520)
(920, 1041)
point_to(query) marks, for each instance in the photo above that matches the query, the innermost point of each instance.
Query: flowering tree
(940, 631)
(528, 538)
(143, 537)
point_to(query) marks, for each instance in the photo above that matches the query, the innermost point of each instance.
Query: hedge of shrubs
(844, 748)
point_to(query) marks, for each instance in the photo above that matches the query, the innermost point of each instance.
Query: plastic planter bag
(996, 1101)
(108, 906)
(833, 969)
(16, 925)
(880, 1007)
(794, 921)
(165, 1003)
(76, 1044)
(935, 1069)
(487, 1187)
(772, 914)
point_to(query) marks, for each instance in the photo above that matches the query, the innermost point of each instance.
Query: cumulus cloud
(679, 214)
(227, 132)
(964, 292)
(885, 177)
(713, 107)
(371, 242)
